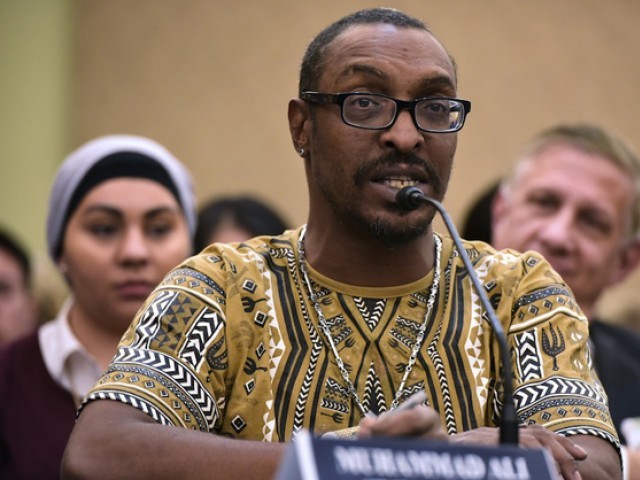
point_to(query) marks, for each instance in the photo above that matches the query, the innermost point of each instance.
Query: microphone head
(409, 198)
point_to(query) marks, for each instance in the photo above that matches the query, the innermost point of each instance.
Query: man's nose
(403, 135)
(558, 231)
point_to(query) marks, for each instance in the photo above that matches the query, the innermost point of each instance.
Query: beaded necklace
(322, 322)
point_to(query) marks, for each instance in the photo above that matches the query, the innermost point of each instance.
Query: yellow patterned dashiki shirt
(229, 343)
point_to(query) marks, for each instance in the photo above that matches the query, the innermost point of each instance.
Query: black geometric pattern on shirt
(447, 278)
(446, 410)
(150, 319)
(249, 285)
(280, 252)
(528, 359)
(238, 423)
(175, 371)
(119, 371)
(335, 399)
(250, 385)
(333, 389)
(316, 348)
(455, 354)
(567, 432)
(410, 390)
(203, 329)
(217, 361)
(338, 328)
(134, 401)
(373, 399)
(562, 405)
(190, 273)
(529, 394)
(553, 347)
(371, 310)
(334, 406)
(539, 295)
(447, 406)
(405, 331)
(178, 313)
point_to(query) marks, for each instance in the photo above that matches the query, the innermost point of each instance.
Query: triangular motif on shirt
(373, 399)
(371, 310)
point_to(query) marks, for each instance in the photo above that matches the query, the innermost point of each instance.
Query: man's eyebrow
(438, 81)
(364, 69)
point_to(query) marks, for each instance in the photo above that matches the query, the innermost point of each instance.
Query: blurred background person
(235, 219)
(18, 307)
(121, 215)
(574, 196)
(476, 223)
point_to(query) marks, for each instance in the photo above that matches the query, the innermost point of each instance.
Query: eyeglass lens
(379, 112)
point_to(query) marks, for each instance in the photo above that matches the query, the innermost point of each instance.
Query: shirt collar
(58, 344)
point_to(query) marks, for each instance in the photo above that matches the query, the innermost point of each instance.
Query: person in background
(476, 224)
(246, 344)
(121, 214)
(235, 219)
(574, 197)
(18, 306)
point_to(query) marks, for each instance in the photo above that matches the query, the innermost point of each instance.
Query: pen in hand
(414, 400)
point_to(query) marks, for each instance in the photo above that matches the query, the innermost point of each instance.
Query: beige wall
(35, 74)
(211, 80)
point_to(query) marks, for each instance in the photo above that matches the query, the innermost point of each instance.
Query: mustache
(364, 171)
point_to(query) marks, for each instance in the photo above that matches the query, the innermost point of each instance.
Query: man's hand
(420, 421)
(565, 453)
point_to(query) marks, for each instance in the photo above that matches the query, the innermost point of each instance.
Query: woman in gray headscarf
(121, 215)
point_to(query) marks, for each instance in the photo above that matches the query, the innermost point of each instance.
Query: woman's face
(125, 235)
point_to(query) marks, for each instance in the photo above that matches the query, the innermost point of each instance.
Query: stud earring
(301, 152)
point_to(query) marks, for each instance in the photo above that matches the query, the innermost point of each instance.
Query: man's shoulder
(225, 256)
(529, 261)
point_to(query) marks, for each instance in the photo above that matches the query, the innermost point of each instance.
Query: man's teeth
(400, 182)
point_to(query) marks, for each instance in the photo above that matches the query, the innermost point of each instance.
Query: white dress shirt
(67, 361)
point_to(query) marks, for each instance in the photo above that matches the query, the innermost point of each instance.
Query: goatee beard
(394, 238)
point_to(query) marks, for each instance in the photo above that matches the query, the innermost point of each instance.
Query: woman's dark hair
(9, 244)
(249, 213)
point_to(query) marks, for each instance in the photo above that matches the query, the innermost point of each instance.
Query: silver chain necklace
(322, 322)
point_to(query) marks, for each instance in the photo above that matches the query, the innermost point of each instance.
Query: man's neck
(365, 261)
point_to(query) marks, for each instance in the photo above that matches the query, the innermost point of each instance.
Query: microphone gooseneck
(411, 198)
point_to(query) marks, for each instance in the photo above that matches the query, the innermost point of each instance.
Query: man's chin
(394, 236)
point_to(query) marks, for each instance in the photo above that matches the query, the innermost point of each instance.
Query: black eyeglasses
(375, 111)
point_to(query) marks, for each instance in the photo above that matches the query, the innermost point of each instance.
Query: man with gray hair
(574, 196)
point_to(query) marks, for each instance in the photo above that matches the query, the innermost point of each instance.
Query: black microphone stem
(411, 198)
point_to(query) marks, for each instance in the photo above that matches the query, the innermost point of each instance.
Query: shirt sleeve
(556, 385)
(171, 363)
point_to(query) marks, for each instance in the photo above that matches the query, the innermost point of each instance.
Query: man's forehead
(357, 49)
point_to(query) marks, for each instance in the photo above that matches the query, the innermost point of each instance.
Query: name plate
(314, 458)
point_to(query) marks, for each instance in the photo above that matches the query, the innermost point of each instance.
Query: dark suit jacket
(617, 361)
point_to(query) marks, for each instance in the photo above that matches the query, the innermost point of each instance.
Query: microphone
(411, 198)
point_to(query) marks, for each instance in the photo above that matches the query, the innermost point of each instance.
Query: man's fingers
(419, 421)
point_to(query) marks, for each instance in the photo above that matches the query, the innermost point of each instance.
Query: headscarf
(105, 158)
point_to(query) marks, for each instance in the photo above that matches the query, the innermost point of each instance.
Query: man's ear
(628, 260)
(299, 124)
